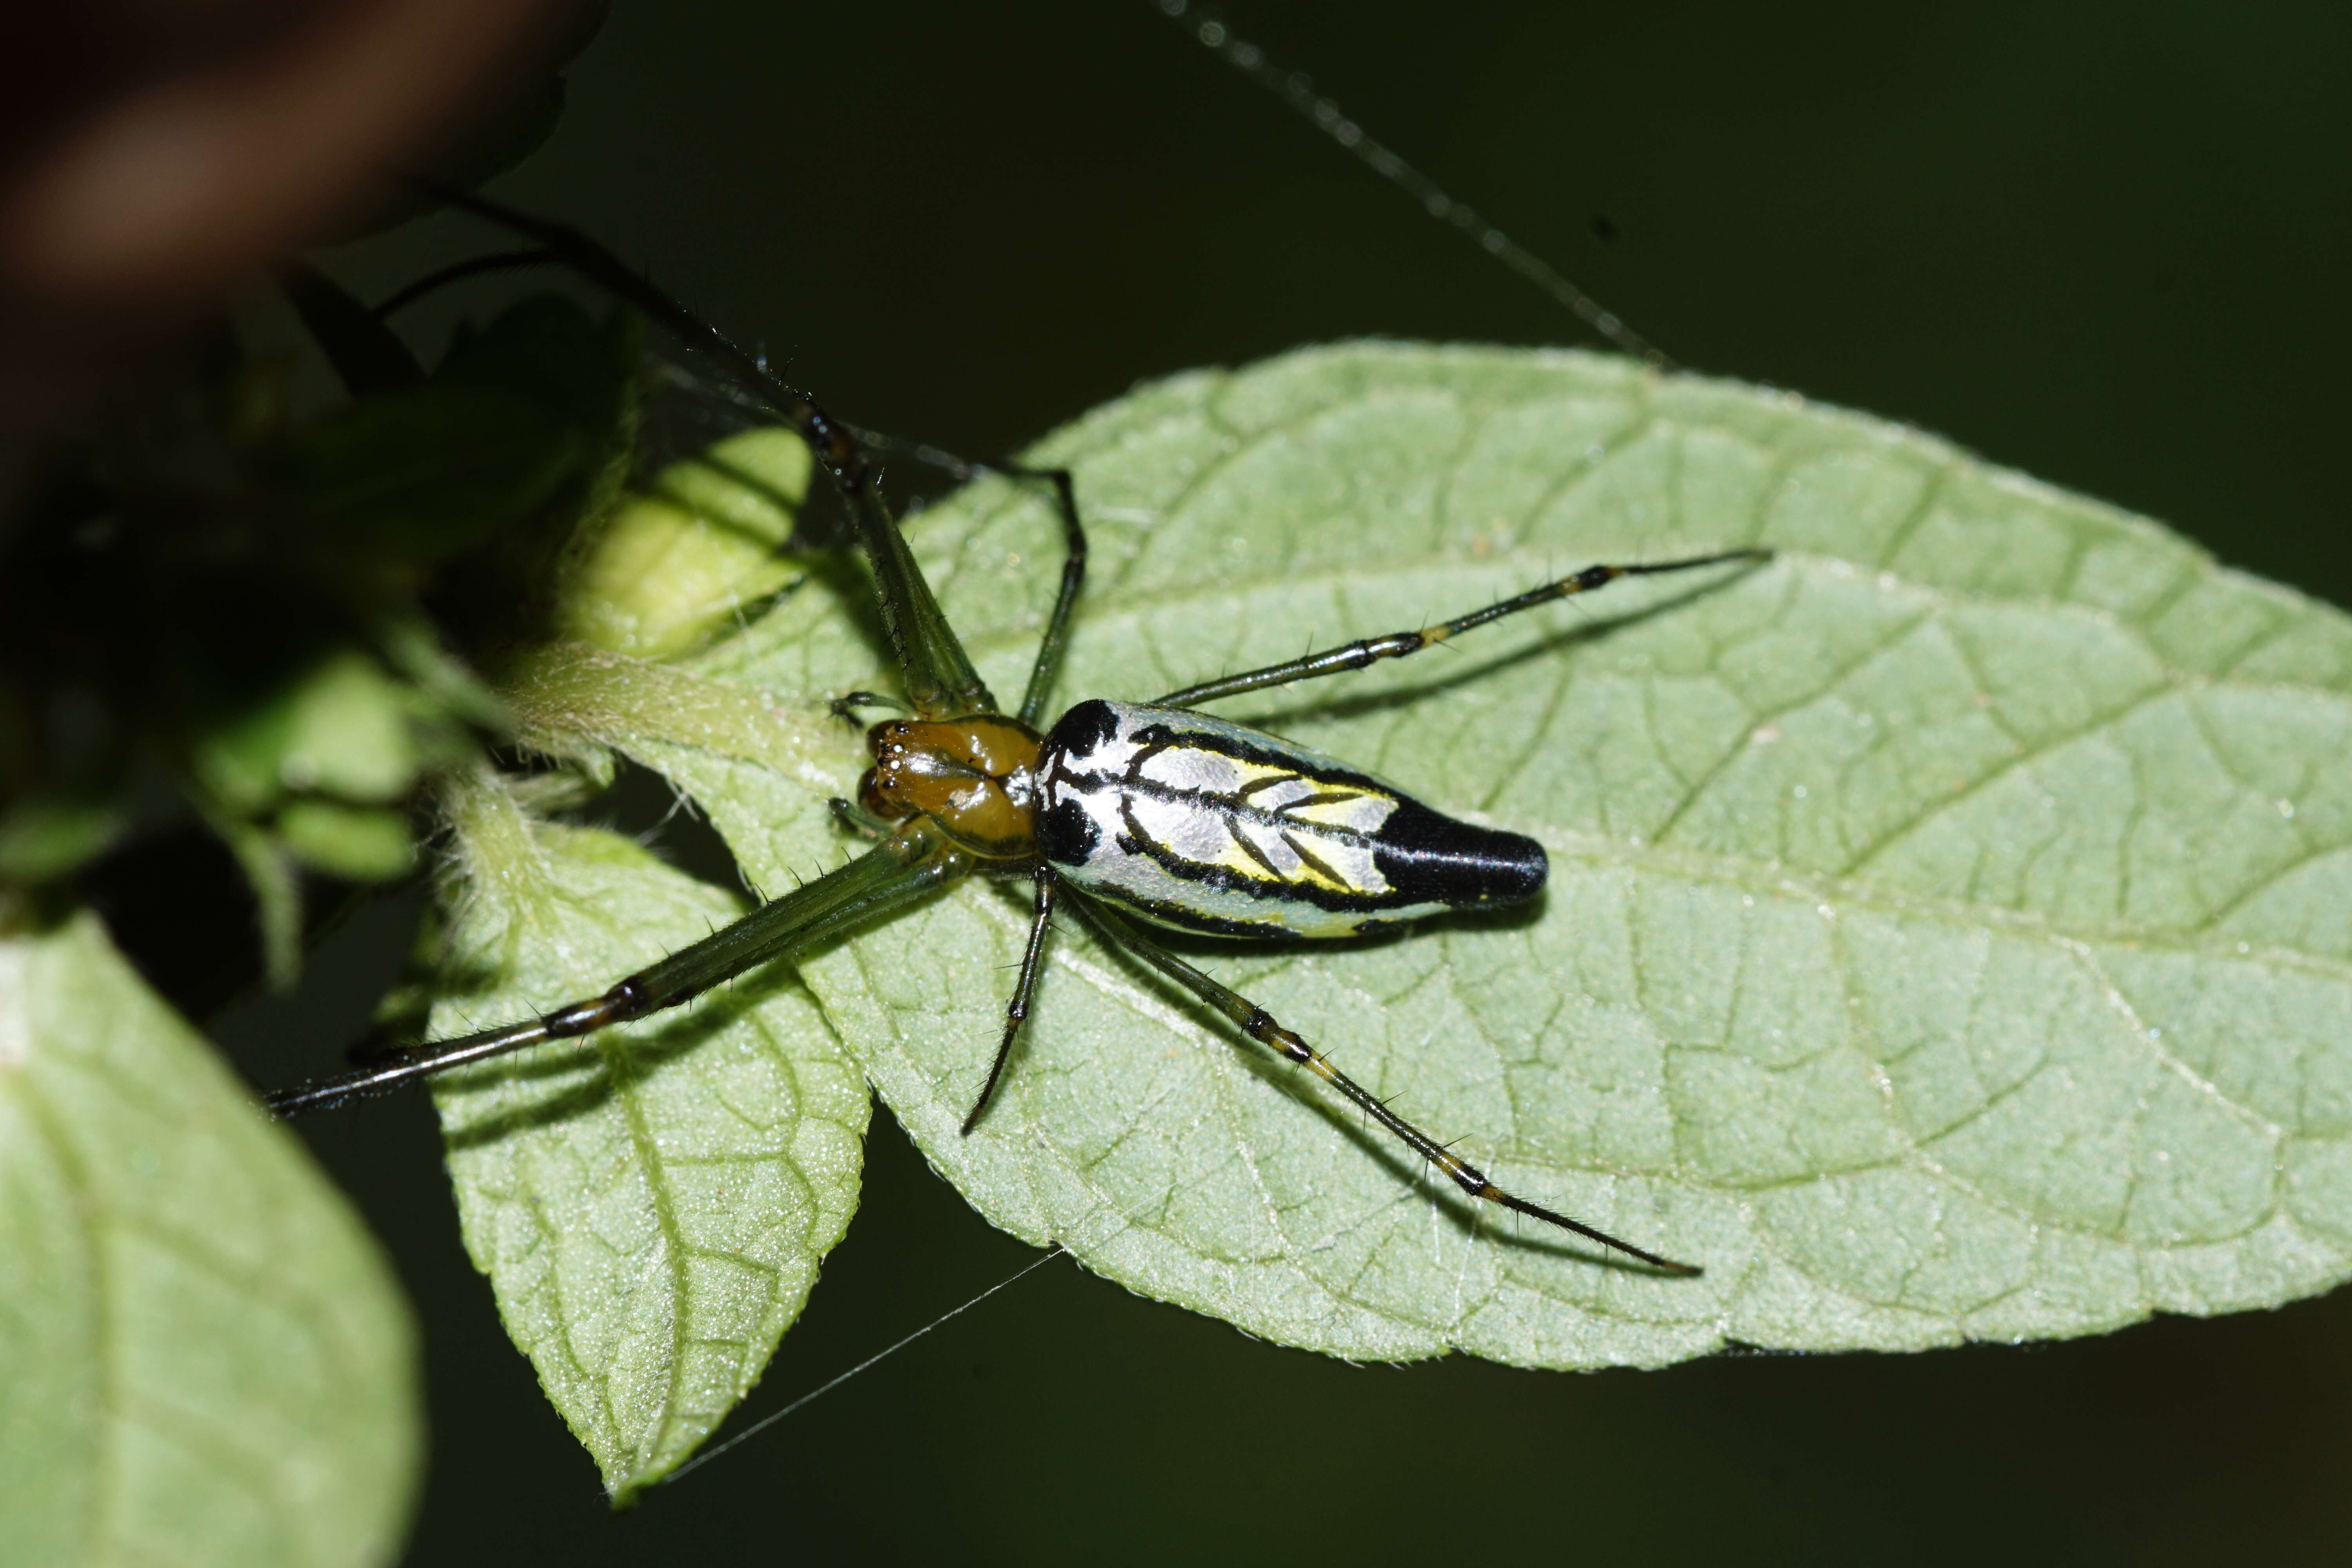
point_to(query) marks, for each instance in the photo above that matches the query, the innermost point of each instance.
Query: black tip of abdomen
(1428, 857)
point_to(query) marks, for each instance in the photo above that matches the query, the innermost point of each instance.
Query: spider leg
(1261, 1026)
(1397, 644)
(1018, 1010)
(1049, 663)
(938, 675)
(900, 870)
(855, 818)
(845, 707)
(458, 272)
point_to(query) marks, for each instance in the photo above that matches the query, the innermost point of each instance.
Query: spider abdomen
(1202, 825)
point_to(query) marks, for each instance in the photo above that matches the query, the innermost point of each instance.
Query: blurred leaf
(367, 354)
(340, 729)
(1947, 934)
(410, 477)
(547, 348)
(270, 877)
(412, 648)
(363, 843)
(510, 132)
(650, 1210)
(206, 1358)
(583, 373)
(347, 733)
(41, 839)
(752, 483)
(693, 558)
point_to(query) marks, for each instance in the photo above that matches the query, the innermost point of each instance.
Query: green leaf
(650, 1210)
(1945, 936)
(205, 1358)
(364, 844)
(341, 727)
(45, 838)
(409, 478)
(546, 348)
(678, 567)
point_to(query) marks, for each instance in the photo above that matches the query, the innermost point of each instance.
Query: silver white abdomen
(1202, 825)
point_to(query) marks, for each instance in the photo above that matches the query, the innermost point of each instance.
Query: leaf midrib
(1770, 879)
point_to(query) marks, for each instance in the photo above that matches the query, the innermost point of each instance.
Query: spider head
(975, 778)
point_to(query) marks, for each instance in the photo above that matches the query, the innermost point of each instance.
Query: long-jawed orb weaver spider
(1133, 815)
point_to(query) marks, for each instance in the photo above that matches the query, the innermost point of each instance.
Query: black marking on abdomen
(1083, 730)
(1179, 917)
(1067, 833)
(1430, 857)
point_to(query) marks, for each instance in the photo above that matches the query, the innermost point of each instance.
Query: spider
(1134, 815)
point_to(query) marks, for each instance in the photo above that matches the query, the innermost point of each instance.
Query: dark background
(2105, 244)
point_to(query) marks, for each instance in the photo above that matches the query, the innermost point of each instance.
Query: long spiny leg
(1048, 662)
(1260, 1026)
(1017, 1009)
(1397, 644)
(941, 681)
(898, 871)
(458, 272)
(854, 818)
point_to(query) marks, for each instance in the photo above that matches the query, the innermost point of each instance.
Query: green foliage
(264, 584)
(650, 1209)
(696, 553)
(337, 729)
(1945, 936)
(1945, 933)
(206, 1358)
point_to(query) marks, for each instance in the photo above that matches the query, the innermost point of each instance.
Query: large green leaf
(1947, 930)
(650, 1211)
(205, 1358)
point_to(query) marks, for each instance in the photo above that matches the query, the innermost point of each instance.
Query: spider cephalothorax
(975, 778)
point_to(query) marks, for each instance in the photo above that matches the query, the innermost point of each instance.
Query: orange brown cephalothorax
(974, 777)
